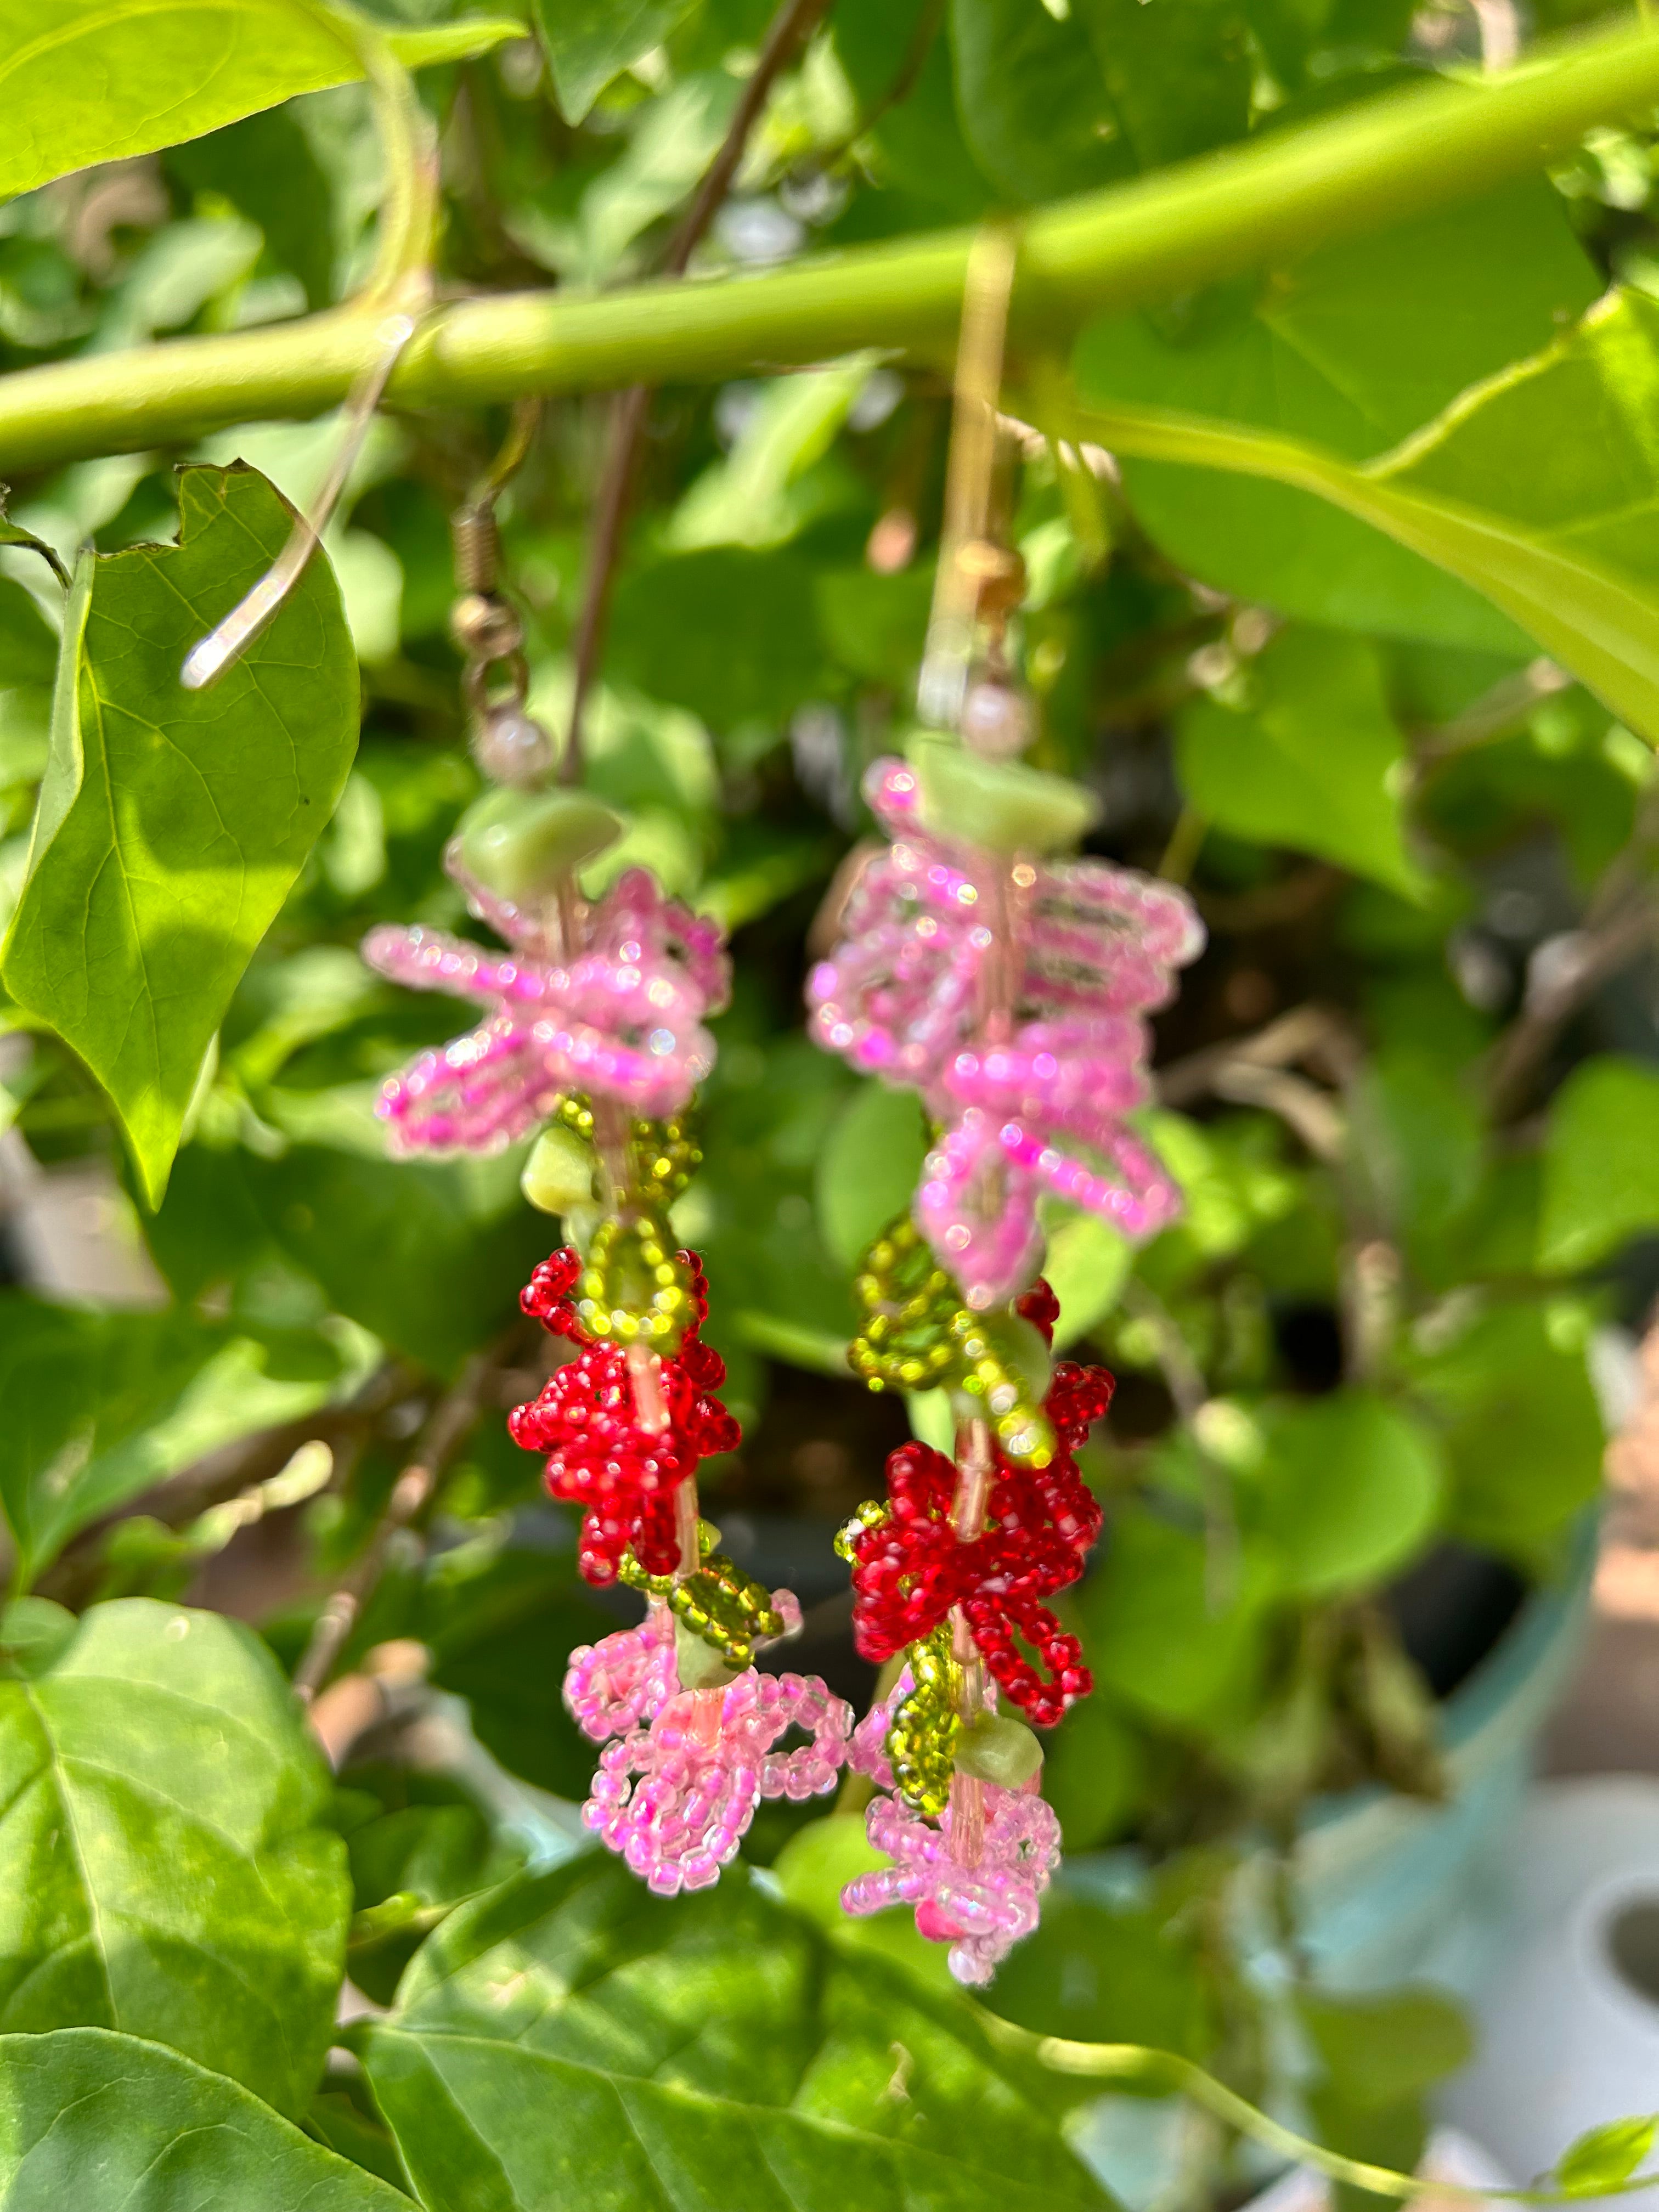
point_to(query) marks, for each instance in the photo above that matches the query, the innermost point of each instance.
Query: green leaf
(417, 1842)
(1601, 1162)
(1350, 1490)
(762, 494)
(1092, 1772)
(816, 1865)
(429, 1254)
(102, 80)
(1348, 351)
(266, 167)
(1087, 1263)
(571, 2041)
(1152, 1632)
(28, 658)
(589, 42)
(1379, 2048)
(1603, 2158)
(426, 45)
(1416, 1145)
(165, 1866)
(1379, 2056)
(868, 1168)
(1033, 105)
(114, 2124)
(1103, 1973)
(1522, 1430)
(173, 824)
(922, 156)
(78, 1386)
(501, 1624)
(727, 632)
(13, 534)
(875, 626)
(1313, 759)
(1177, 73)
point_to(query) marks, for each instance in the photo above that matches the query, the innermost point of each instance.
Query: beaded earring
(594, 1034)
(1008, 986)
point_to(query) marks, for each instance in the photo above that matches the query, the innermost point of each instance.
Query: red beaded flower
(909, 1567)
(621, 1471)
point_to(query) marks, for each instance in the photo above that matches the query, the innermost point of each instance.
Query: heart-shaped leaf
(109, 2124)
(172, 823)
(1349, 1491)
(164, 1869)
(87, 81)
(570, 2041)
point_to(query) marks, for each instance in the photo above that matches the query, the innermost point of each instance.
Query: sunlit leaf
(165, 1865)
(172, 823)
(101, 80)
(116, 2123)
(571, 2041)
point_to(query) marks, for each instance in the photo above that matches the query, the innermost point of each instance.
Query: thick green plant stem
(1277, 197)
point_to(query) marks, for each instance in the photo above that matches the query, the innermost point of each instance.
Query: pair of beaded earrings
(1007, 984)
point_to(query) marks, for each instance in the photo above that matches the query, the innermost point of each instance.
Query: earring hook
(208, 660)
(988, 289)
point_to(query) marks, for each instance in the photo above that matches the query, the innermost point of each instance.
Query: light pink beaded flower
(623, 1021)
(674, 1795)
(902, 997)
(980, 1900)
(612, 1686)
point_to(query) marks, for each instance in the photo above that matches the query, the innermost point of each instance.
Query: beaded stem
(973, 1491)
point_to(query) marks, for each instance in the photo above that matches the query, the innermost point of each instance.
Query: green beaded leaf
(165, 1865)
(922, 1741)
(105, 2123)
(571, 2043)
(173, 824)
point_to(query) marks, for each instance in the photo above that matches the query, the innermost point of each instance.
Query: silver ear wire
(207, 661)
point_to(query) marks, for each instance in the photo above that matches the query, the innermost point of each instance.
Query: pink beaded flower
(614, 1685)
(979, 1903)
(623, 1021)
(902, 997)
(675, 1791)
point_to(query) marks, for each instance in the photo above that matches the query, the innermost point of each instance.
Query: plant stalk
(1278, 197)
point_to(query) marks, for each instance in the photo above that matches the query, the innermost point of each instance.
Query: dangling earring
(1006, 984)
(594, 1035)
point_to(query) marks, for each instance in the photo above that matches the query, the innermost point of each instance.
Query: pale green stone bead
(520, 843)
(559, 1173)
(1001, 805)
(701, 1666)
(995, 1747)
